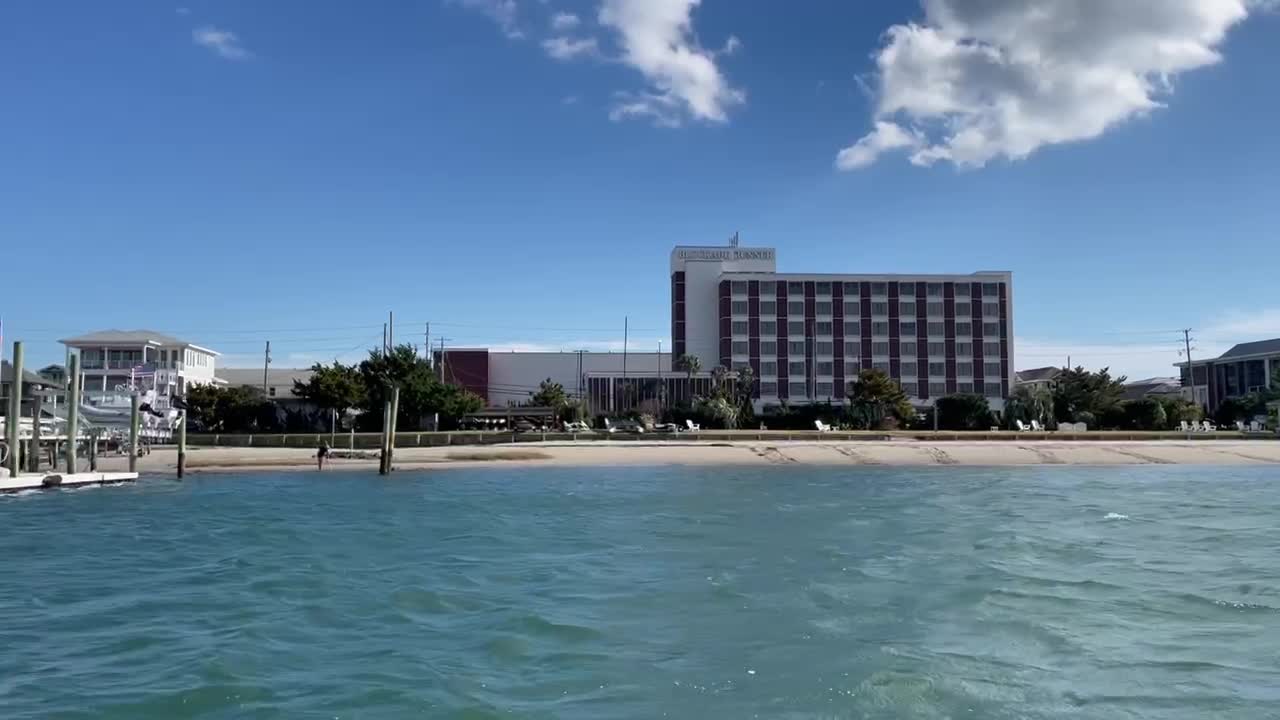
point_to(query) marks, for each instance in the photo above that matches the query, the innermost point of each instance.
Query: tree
(719, 376)
(1095, 394)
(551, 395)
(964, 412)
(1144, 414)
(876, 399)
(421, 393)
(720, 411)
(1029, 403)
(236, 409)
(691, 366)
(744, 386)
(332, 388)
(1179, 409)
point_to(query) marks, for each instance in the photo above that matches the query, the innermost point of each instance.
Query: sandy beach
(830, 453)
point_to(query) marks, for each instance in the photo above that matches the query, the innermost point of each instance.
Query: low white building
(113, 361)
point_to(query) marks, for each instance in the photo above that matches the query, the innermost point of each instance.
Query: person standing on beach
(322, 452)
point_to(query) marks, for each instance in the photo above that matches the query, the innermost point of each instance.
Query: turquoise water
(783, 592)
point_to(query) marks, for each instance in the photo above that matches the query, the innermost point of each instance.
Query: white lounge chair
(1036, 426)
(1208, 426)
(1255, 426)
(1019, 424)
(1184, 426)
(822, 427)
(1240, 425)
(693, 426)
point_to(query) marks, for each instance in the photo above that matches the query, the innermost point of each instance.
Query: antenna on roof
(733, 241)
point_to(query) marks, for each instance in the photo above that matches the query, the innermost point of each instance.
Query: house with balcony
(1246, 368)
(115, 362)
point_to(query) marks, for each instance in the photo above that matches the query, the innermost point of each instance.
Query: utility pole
(266, 361)
(384, 338)
(661, 390)
(426, 342)
(391, 330)
(1191, 371)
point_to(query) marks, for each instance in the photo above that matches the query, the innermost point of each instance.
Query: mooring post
(182, 444)
(73, 411)
(93, 451)
(133, 433)
(395, 413)
(33, 449)
(386, 427)
(12, 417)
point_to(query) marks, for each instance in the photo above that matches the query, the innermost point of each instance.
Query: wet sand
(603, 453)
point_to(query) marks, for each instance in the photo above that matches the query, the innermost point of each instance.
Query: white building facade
(113, 361)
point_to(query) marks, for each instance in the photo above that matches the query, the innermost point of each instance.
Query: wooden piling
(182, 444)
(33, 447)
(133, 432)
(93, 451)
(13, 419)
(386, 427)
(391, 439)
(73, 412)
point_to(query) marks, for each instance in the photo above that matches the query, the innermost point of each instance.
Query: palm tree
(691, 365)
(719, 374)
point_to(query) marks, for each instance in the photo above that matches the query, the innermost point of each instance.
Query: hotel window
(881, 365)
(990, 310)
(795, 347)
(880, 349)
(908, 370)
(795, 327)
(991, 348)
(906, 309)
(964, 387)
(768, 308)
(937, 349)
(768, 348)
(741, 347)
(795, 288)
(934, 290)
(991, 369)
(964, 369)
(822, 327)
(937, 389)
(768, 328)
(826, 368)
(741, 327)
(271, 392)
(853, 348)
(907, 288)
(990, 290)
(879, 288)
(768, 287)
(934, 309)
(741, 366)
(909, 388)
(769, 389)
(796, 308)
(796, 368)
(798, 389)
(851, 288)
(824, 288)
(907, 348)
(964, 349)
(991, 329)
(852, 327)
(907, 329)
(769, 367)
(992, 389)
(937, 369)
(824, 389)
(738, 287)
(880, 327)
(964, 329)
(879, 308)
(851, 368)
(937, 329)
(963, 290)
(822, 307)
(964, 310)
(824, 347)
(852, 307)
(739, 307)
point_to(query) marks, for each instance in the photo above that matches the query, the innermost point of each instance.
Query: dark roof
(124, 336)
(1259, 347)
(1037, 374)
(6, 375)
(1139, 389)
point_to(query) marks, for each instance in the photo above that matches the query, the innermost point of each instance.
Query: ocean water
(780, 592)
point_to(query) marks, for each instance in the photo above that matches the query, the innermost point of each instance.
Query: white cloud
(657, 39)
(567, 48)
(183, 10)
(731, 46)
(1261, 324)
(502, 12)
(978, 80)
(1136, 360)
(569, 100)
(223, 42)
(562, 21)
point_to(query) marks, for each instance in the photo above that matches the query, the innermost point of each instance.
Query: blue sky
(516, 171)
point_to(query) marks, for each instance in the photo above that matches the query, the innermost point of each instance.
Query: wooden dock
(54, 480)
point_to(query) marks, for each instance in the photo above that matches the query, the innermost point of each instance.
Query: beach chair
(1021, 427)
(822, 427)
(1207, 426)
(693, 426)
(1185, 427)
(1255, 426)
(1036, 426)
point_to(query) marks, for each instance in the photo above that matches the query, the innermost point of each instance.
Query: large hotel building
(807, 335)
(804, 335)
